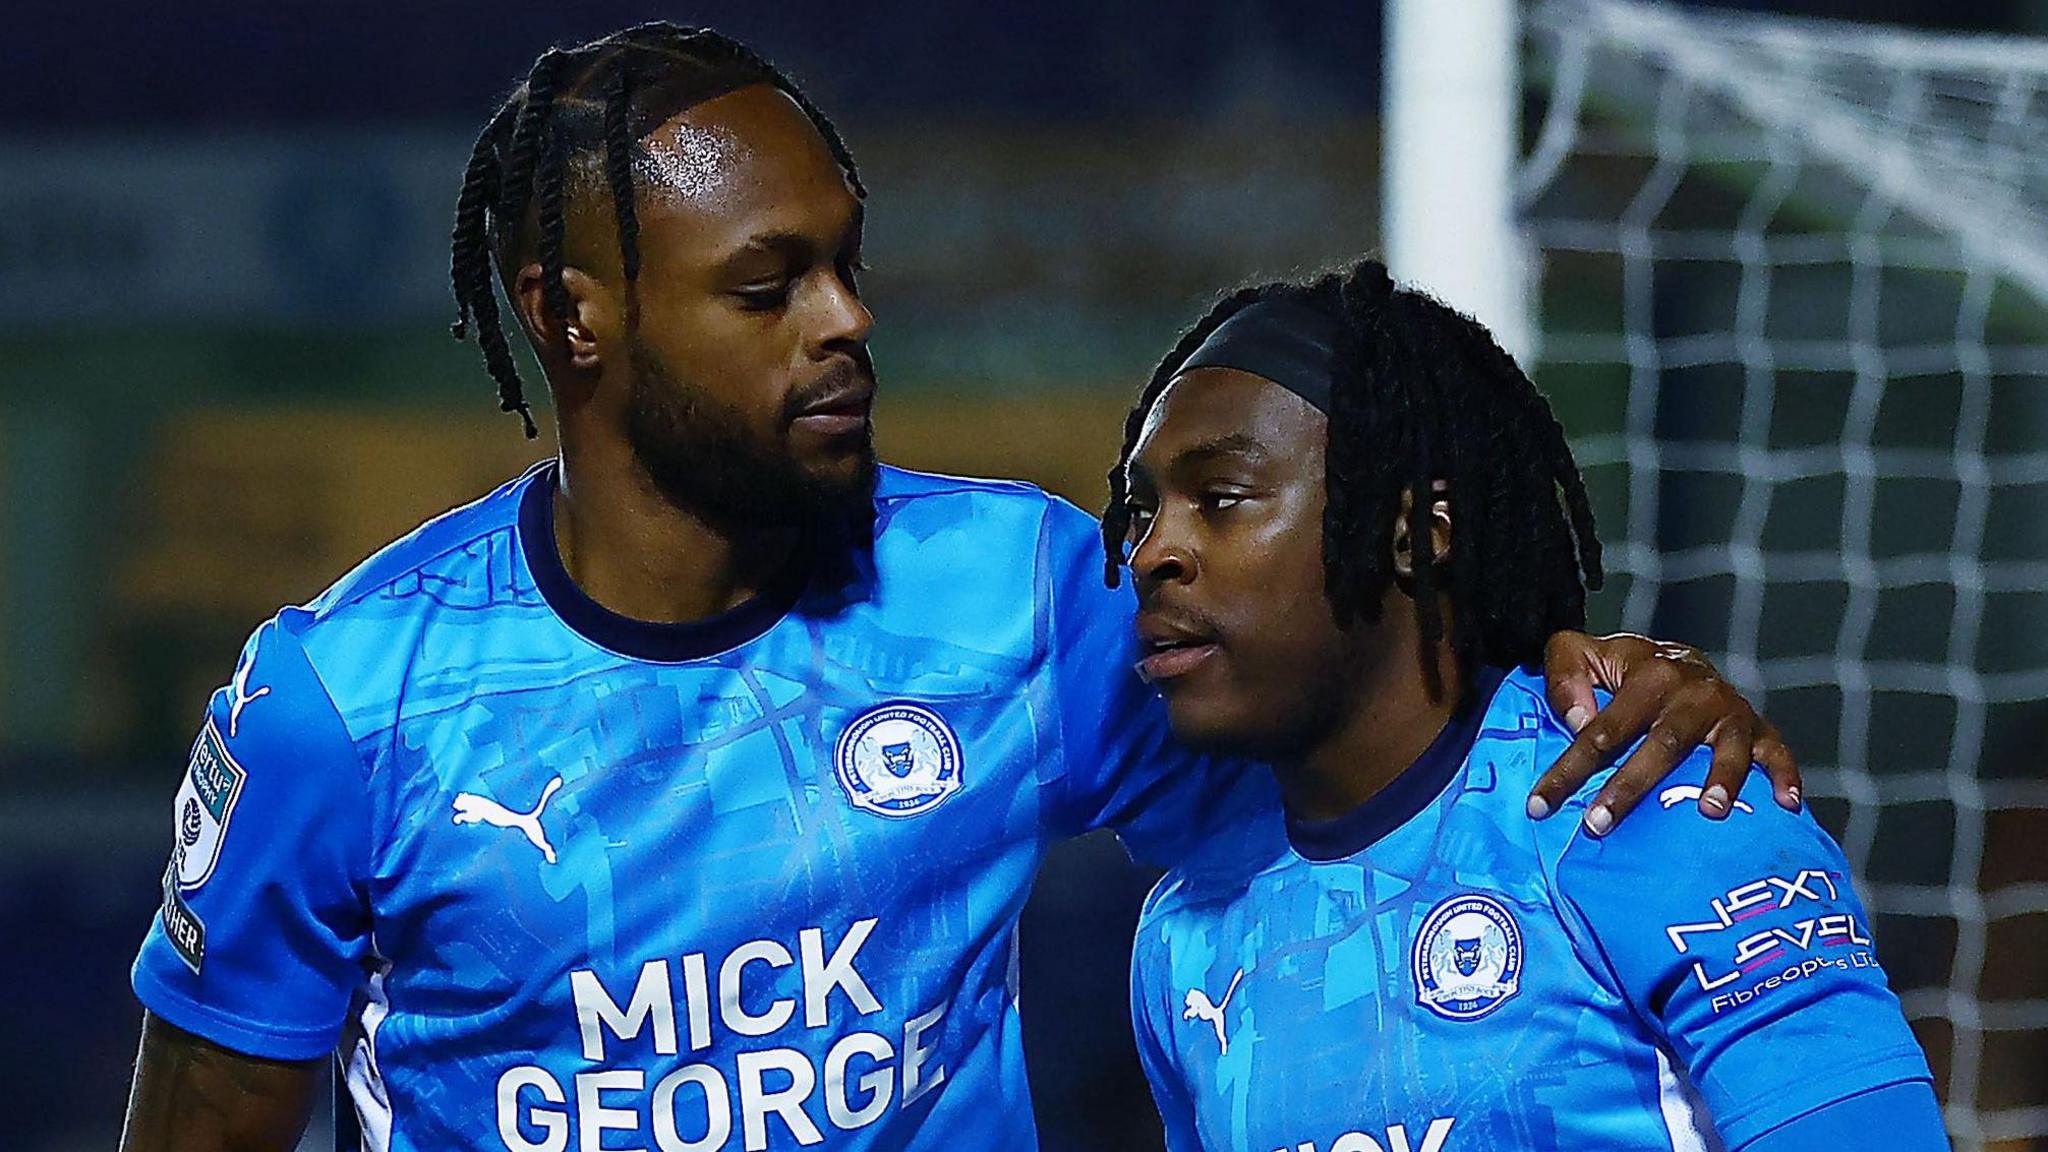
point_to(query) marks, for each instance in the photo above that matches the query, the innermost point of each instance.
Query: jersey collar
(639, 639)
(1406, 794)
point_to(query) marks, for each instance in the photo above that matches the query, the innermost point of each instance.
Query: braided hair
(579, 115)
(1424, 395)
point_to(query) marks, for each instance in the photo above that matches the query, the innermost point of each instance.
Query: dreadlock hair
(577, 119)
(1424, 396)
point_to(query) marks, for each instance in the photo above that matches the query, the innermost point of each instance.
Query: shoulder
(1668, 859)
(981, 561)
(361, 636)
(899, 485)
(1522, 737)
(1519, 736)
(1005, 515)
(443, 551)
(1232, 865)
(1667, 827)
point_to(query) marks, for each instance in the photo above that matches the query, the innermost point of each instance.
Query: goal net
(1791, 289)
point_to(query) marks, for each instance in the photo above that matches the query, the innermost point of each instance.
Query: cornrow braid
(584, 109)
(1425, 402)
(553, 227)
(467, 239)
(618, 166)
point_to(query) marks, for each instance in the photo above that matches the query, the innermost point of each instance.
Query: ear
(583, 341)
(1439, 530)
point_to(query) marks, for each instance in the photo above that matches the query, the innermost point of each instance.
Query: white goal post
(1787, 283)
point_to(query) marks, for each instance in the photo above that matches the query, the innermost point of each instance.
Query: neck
(1386, 721)
(639, 555)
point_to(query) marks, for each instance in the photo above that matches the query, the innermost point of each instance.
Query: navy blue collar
(640, 639)
(1406, 794)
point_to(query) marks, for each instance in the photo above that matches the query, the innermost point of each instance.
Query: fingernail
(1538, 807)
(1599, 820)
(1792, 794)
(1715, 798)
(1576, 718)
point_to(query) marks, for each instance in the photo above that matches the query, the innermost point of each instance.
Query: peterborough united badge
(898, 760)
(1468, 957)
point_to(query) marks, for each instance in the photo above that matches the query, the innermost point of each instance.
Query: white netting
(1794, 304)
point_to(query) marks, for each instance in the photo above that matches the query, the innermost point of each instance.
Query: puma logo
(471, 808)
(242, 697)
(1679, 793)
(1199, 1007)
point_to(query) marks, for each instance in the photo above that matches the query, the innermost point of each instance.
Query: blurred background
(1811, 391)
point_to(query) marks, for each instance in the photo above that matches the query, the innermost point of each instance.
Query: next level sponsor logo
(1804, 970)
(1756, 949)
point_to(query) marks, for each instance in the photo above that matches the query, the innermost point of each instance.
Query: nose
(1163, 554)
(843, 320)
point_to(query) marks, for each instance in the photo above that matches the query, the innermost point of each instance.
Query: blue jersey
(548, 878)
(1435, 972)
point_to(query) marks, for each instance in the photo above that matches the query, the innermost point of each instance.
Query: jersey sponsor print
(1436, 971)
(547, 878)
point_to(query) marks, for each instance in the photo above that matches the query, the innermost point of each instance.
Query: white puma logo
(1199, 1007)
(1679, 793)
(471, 808)
(242, 696)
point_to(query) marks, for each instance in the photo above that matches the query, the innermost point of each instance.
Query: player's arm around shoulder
(1744, 948)
(1117, 763)
(249, 964)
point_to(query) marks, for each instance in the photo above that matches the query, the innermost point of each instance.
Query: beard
(704, 458)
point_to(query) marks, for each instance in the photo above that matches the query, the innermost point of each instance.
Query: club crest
(897, 760)
(1468, 957)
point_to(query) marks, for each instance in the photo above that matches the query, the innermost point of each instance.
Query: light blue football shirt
(1435, 972)
(549, 878)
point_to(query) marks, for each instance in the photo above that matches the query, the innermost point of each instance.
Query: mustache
(1176, 617)
(847, 374)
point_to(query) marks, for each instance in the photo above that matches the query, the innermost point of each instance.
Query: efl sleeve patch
(204, 806)
(269, 845)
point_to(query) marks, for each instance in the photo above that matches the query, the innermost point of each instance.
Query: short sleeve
(1121, 768)
(1743, 945)
(1907, 1114)
(263, 928)
(1151, 1020)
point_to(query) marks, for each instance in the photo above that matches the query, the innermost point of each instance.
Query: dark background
(186, 444)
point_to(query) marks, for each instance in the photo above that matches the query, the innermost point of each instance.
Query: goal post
(1787, 283)
(1452, 94)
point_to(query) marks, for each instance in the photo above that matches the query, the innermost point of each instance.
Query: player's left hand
(1673, 697)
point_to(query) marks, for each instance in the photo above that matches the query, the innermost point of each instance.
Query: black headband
(1286, 341)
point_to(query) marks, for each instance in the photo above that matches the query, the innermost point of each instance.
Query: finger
(1645, 768)
(1699, 704)
(1780, 765)
(1569, 677)
(1610, 729)
(1732, 749)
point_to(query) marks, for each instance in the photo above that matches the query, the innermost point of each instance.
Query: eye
(1220, 501)
(1139, 517)
(763, 298)
(850, 269)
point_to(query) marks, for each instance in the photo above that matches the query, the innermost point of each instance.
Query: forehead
(746, 162)
(1207, 404)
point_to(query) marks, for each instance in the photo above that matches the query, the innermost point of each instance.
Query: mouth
(842, 411)
(1173, 649)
